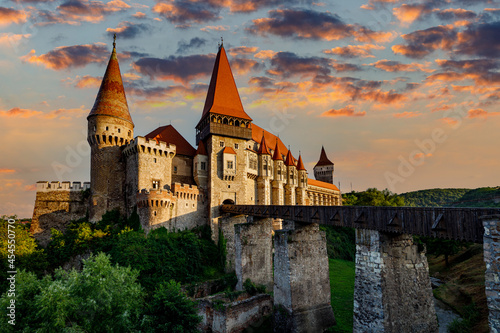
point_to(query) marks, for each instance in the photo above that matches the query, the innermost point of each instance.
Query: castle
(170, 183)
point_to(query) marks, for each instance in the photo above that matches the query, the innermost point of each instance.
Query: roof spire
(111, 99)
(289, 159)
(263, 146)
(300, 164)
(277, 153)
(222, 96)
(221, 41)
(323, 159)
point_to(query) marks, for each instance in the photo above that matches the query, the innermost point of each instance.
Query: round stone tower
(323, 170)
(110, 128)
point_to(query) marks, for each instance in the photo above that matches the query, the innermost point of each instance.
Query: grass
(342, 287)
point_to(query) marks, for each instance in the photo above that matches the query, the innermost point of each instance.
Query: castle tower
(279, 176)
(265, 174)
(323, 170)
(302, 182)
(225, 128)
(201, 166)
(110, 128)
(291, 179)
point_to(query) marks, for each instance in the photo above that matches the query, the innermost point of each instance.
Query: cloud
(10, 15)
(469, 66)
(185, 12)
(480, 40)
(407, 14)
(76, 11)
(194, 43)
(128, 30)
(422, 42)
(242, 50)
(139, 15)
(215, 28)
(396, 66)
(262, 81)
(407, 114)
(5, 171)
(179, 69)
(347, 111)
(65, 57)
(287, 64)
(306, 24)
(477, 113)
(85, 81)
(265, 54)
(244, 66)
(8, 39)
(355, 51)
(455, 14)
(27, 113)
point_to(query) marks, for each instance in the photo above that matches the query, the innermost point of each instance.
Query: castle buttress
(170, 183)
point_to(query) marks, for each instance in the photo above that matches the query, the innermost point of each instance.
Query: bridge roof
(318, 183)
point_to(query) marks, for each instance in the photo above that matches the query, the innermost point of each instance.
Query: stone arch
(228, 202)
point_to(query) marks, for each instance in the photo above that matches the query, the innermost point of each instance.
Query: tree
(372, 197)
(170, 310)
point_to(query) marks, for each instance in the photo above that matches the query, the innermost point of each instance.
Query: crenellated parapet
(186, 192)
(150, 146)
(156, 199)
(45, 186)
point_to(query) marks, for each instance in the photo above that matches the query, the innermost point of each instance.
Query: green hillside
(456, 197)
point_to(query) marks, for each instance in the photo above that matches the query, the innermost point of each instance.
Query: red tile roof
(228, 150)
(290, 161)
(323, 159)
(258, 132)
(314, 182)
(277, 152)
(263, 147)
(169, 134)
(111, 100)
(223, 97)
(300, 164)
(201, 149)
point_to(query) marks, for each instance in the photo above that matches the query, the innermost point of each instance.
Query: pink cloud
(347, 111)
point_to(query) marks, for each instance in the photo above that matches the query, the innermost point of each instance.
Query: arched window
(228, 202)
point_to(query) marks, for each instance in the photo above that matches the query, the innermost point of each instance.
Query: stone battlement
(155, 198)
(45, 186)
(185, 191)
(150, 146)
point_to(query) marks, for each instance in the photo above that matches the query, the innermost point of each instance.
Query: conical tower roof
(263, 147)
(201, 149)
(223, 97)
(300, 164)
(323, 159)
(277, 153)
(111, 100)
(289, 159)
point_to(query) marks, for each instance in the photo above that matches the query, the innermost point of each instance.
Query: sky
(403, 95)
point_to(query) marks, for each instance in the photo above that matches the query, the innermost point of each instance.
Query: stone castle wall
(57, 204)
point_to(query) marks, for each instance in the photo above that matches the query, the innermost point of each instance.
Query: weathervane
(114, 40)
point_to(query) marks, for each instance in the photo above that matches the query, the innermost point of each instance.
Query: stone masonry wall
(57, 204)
(254, 247)
(301, 281)
(492, 276)
(392, 291)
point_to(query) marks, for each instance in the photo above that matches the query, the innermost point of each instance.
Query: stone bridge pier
(392, 290)
(301, 280)
(491, 245)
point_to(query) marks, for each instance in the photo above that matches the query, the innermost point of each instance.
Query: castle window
(118, 130)
(175, 169)
(129, 133)
(154, 159)
(154, 213)
(95, 128)
(236, 146)
(203, 165)
(229, 164)
(107, 128)
(156, 184)
(222, 143)
(228, 186)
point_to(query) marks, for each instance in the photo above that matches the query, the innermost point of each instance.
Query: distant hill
(454, 197)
